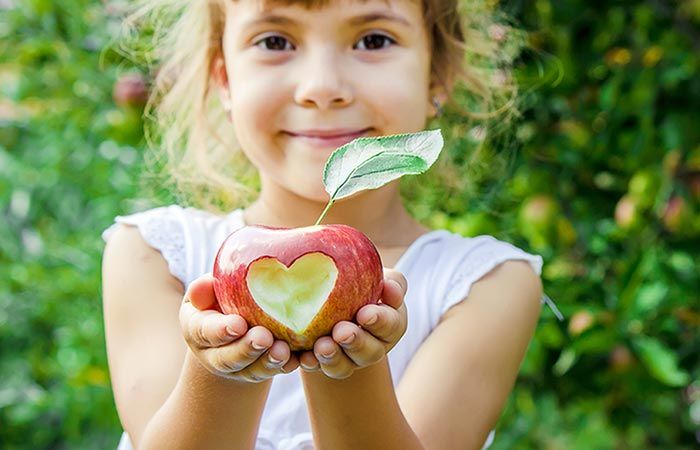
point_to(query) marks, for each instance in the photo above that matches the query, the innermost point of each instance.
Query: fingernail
(305, 367)
(257, 346)
(328, 355)
(231, 331)
(348, 340)
(274, 361)
(372, 320)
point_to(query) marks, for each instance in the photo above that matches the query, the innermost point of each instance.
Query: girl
(429, 368)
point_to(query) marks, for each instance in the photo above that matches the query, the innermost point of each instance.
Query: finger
(218, 329)
(308, 362)
(201, 293)
(292, 364)
(383, 321)
(269, 364)
(334, 362)
(395, 287)
(241, 353)
(361, 347)
(205, 329)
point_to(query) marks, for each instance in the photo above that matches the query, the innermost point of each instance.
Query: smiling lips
(329, 138)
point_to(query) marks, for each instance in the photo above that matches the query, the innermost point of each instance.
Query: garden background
(601, 177)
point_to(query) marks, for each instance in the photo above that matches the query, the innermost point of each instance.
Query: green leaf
(661, 362)
(371, 162)
(566, 360)
(368, 163)
(650, 296)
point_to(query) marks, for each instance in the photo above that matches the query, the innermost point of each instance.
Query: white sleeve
(163, 229)
(472, 258)
(260, 444)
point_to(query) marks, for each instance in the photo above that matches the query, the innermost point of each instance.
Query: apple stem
(328, 206)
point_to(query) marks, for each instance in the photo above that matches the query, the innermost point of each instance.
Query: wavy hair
(193, 151)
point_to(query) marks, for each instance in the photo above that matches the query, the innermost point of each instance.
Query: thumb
(201, 293)
(394, 289)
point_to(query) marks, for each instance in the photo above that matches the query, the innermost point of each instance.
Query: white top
(440, 267)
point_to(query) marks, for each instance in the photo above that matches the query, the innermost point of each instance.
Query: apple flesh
(297, 282)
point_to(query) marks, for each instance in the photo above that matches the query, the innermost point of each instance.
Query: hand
(353, 347)
(224, 345)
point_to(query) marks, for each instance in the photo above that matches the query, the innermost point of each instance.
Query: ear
(440, 96)
(220, 80)
(437, 91)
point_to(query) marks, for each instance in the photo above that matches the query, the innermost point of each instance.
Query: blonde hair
(193, 152)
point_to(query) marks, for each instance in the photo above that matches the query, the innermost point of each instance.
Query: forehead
(266, 5)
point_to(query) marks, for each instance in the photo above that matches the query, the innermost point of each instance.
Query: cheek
(399, 99)
(255, 102)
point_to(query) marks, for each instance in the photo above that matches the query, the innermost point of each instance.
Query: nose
(322, 81)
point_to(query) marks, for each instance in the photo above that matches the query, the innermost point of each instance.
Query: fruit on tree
(130, 90)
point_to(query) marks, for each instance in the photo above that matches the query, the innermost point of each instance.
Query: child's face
(321, 69)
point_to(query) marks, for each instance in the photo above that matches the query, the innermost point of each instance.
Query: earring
(438, 107)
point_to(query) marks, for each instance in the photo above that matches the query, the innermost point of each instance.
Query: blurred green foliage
(605, 186)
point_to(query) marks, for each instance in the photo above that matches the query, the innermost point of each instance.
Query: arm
(489, 332)
(164, 397)
(360, 411)
(452, 392)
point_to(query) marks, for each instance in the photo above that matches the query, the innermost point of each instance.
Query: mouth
(328, 138)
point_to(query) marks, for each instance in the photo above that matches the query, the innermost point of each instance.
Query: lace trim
(164, 233)
(484, 261)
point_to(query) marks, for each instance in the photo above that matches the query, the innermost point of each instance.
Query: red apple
(297, 282)
(130, 90)
(620, 358)
(537, 219)
(627, 215)
(677, 215)
(580, 322)
(539, 212)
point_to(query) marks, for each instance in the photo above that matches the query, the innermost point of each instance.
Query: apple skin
(358, 283)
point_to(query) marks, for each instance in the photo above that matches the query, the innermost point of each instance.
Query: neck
(379, 213)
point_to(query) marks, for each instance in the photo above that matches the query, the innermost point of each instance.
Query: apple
(580, 322)
(539, 211)
(566, 232)
(643, 187)
(130, 90)
(677, 216)
(627, 214)
(297, 282)
(620, 358)
(538, 220)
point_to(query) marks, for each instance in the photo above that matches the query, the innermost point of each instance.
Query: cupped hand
(224, 344)
(353, 346)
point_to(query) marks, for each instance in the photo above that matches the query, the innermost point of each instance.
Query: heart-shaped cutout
(292, 296)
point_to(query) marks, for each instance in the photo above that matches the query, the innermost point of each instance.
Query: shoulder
(455, 264)
(128, 254)
(509, 284)
(184, 237)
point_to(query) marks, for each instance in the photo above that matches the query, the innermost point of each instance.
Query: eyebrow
(357, 20)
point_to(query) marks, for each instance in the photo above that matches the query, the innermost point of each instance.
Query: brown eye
(274, 42)
(376, 41)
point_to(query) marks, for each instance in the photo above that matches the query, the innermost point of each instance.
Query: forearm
(357, 412)
(206, 412)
